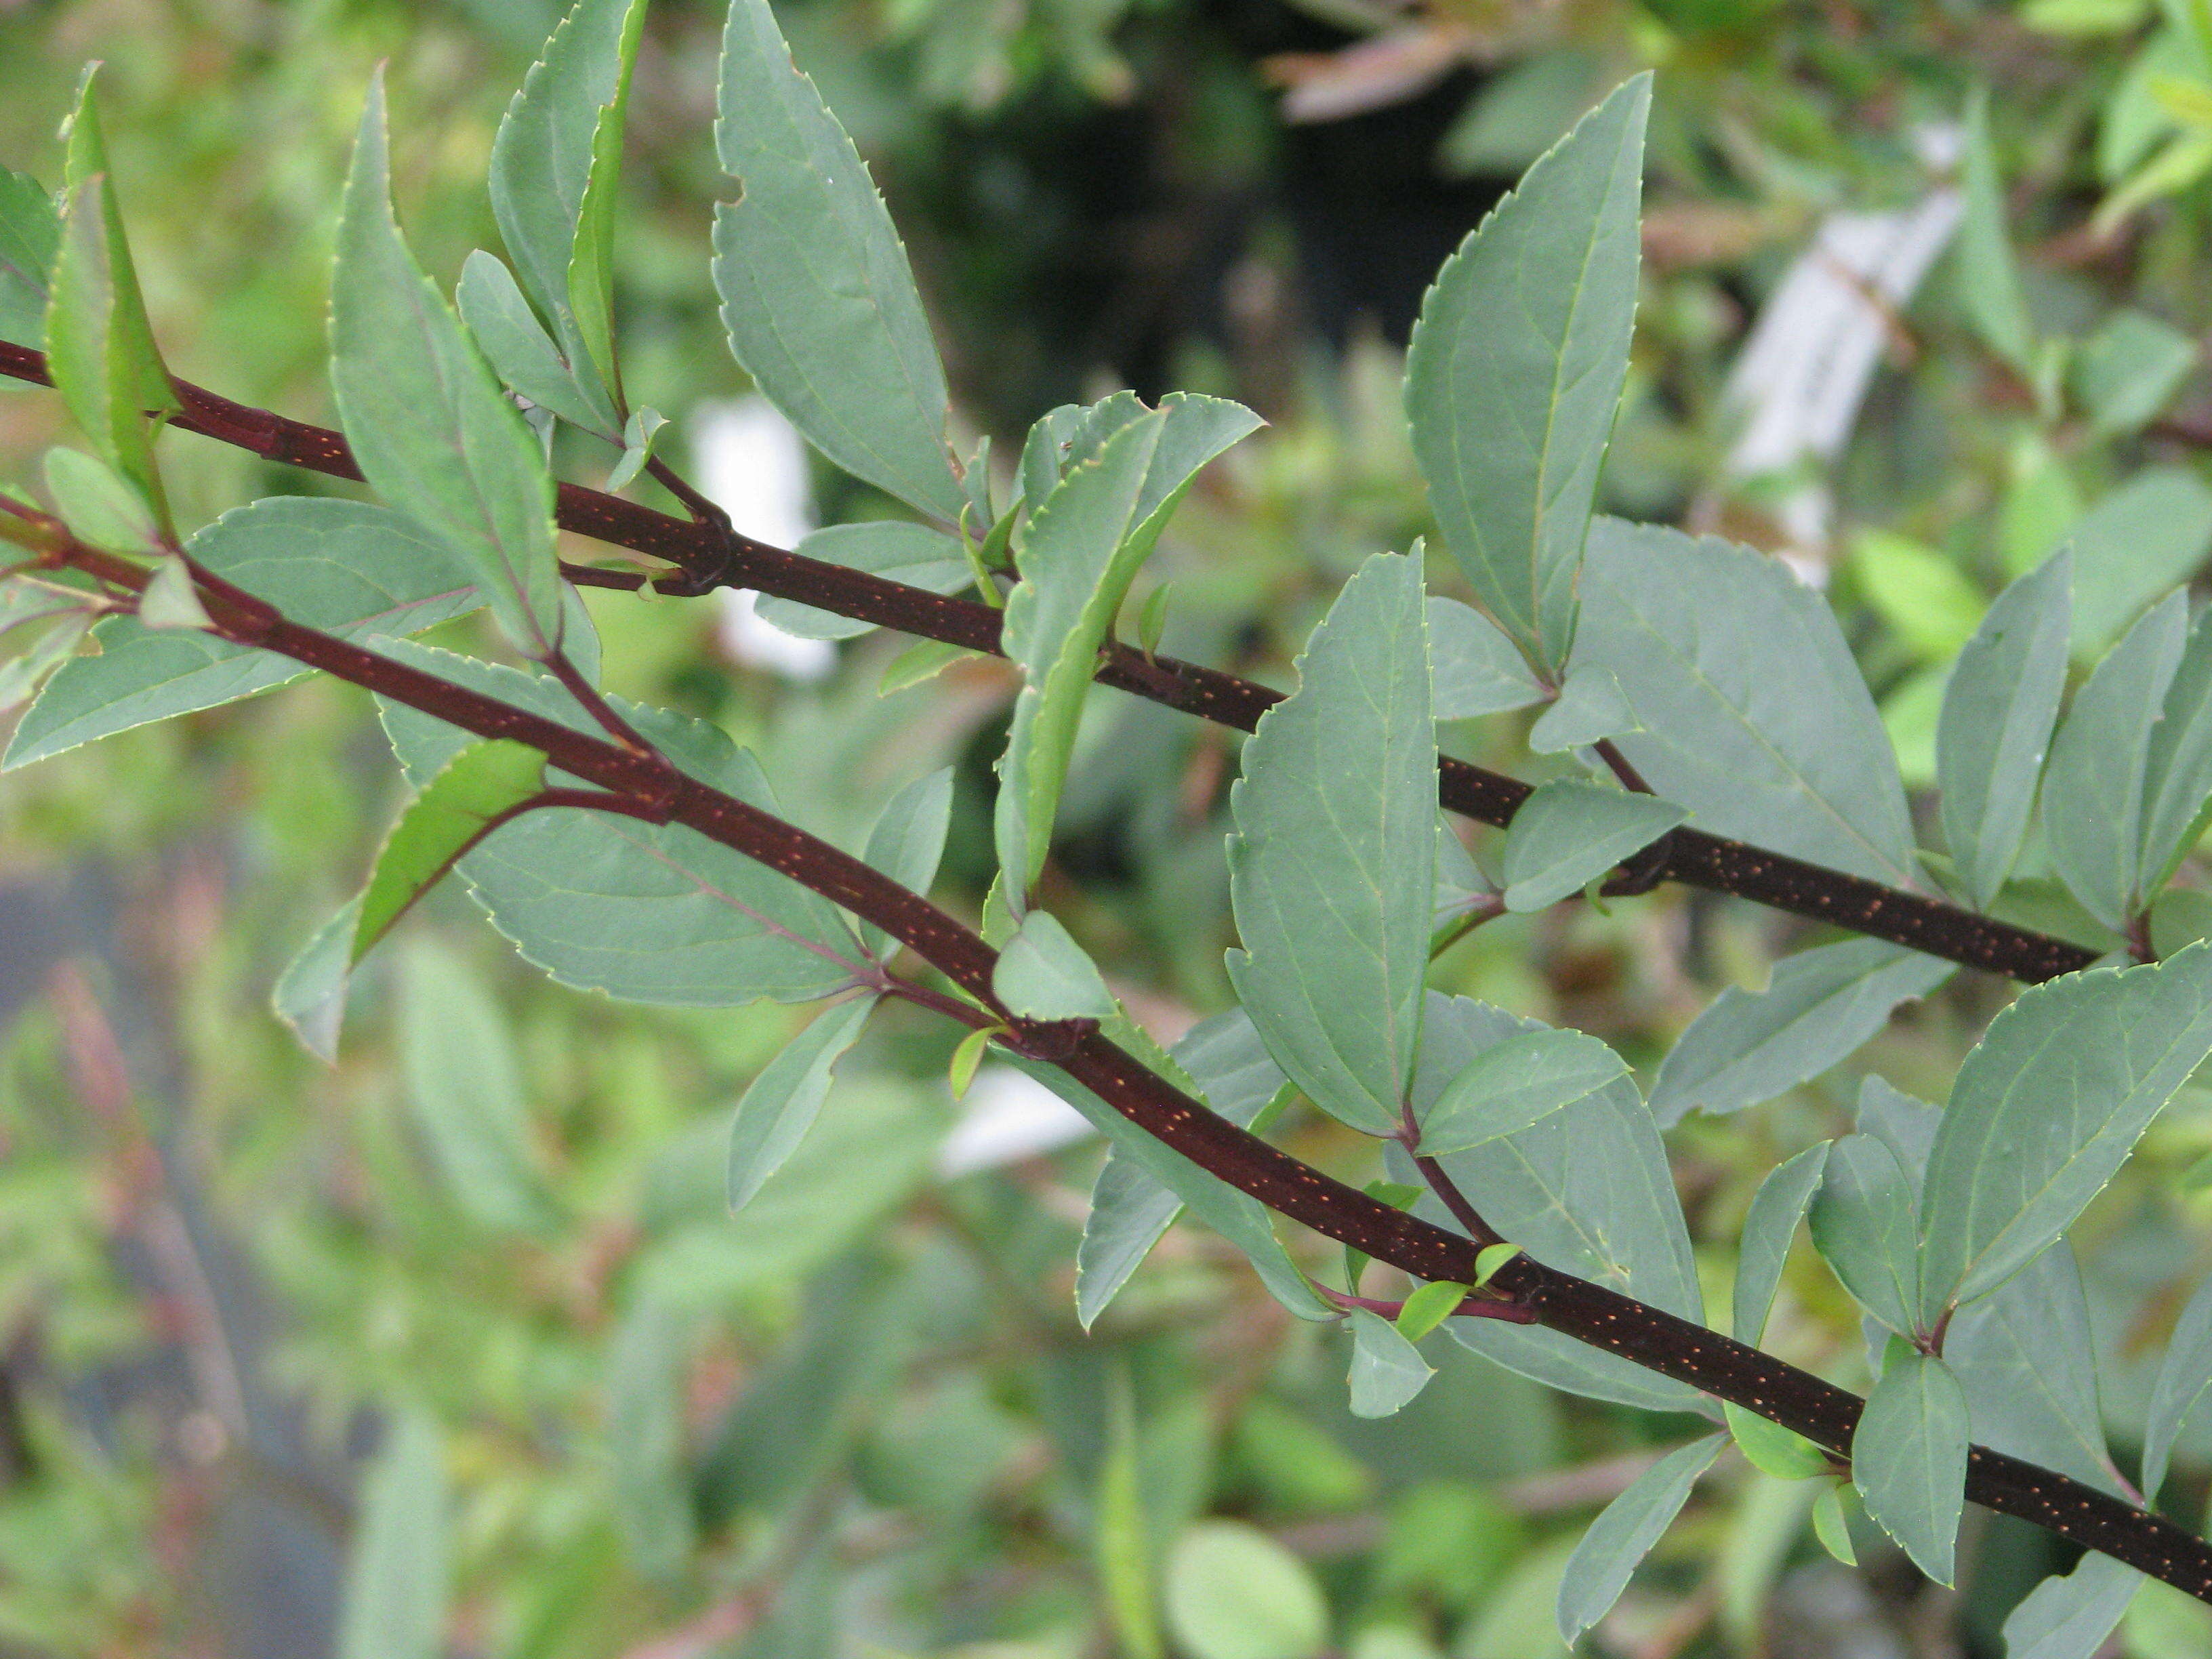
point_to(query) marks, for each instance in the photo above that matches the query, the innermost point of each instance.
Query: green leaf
(455, 810)
(523, 354)
(1044, 452)
(1387, 1370)
(1998, 711)
(1334, 855)
(2092, 790)
(1909, 1457)
(1478, 670)
(310, 995)
(907, 841)
(1130, 1210)
(554, 166)
(817, 295)
(1518, 1082)
(781, 1104)
(2183, 1376)
(2133, 544)
(1988, 277)
(1926, 600)
(2178, 766)
(30, 236)
(433, 434)
(342, 566)
(925, 659)
(969, 1056)
(99, 505)
(1121, 1546)
(465, 1086)
(1755, 719)
(1571, 832)
(1831, 1527)
(1490, 1258)
(1865, 1224)
(1043, 974)
(1623, 1532)
(99, 345)
(1773, 1449)
(1238, 1217)
(1768, 1228)
(1084, 545)
(648, 1370)
(1428, 1308)
(1234, 1593)
(646, 913)
(2046, 1109)
(1820, 1006)
(1515, 371)
(2129, 369)
(170, 601)
(638, 435)
(1590, 710)
(2027, 1360)
(399, 1568)
(2069, 1617)
(911, 554)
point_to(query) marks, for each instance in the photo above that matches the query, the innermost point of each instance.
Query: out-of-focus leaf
(1387, 1370)
(1998, 710)
(310, 995)
(456, 809)
(817, 295)
(1235, 1593)
(399, 1571)
(1518, 1082)
(646, 1436)
(910, 553)
(646, 913)
(1625, 1532)
(1831, 1527)
(342, 566)
(2129, 370)
(1866, 1226)
(2027, 1360)
(464, 1085)
(1755, 718)
(2133, 544)
(2178, 766)
(2092, 789)
(1768, 1227)
(1515, 370)
(2046, 1109)
(1925, 598)
(429, 426)
(1332, 865)
(171, 600)
(1909, 1457)
(780, 1105)
(30, 236)
(1820, 1006)
(1120, 1544)
(1571, 832)
(2069, 1616)
(1989, 275)
(1478, 670)
(1043, 974)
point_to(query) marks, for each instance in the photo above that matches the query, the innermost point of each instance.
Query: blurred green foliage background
(860, 1419)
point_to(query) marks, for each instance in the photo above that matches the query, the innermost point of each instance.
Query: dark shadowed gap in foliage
(1063, 240)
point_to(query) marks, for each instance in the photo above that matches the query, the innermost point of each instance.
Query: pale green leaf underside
(523, 354)
(2183, 1376)
(2027, 1360)
(1866, 1224)
(1909, 1459)
(1519, 1082)
(912, 555)
(1819, 1006)
(1335, 855)
(1768, 1228)
(30, 235)
(1754, 717)
(1515, 369)
(1387, 1371)
(1478, 670)
(645, 912)
(1043, 974)
(2046, 1109)
(780, 1105)
(343, 567)
(908, 840)
(817, 295)
(2069, 1617)
(1623, 1532)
